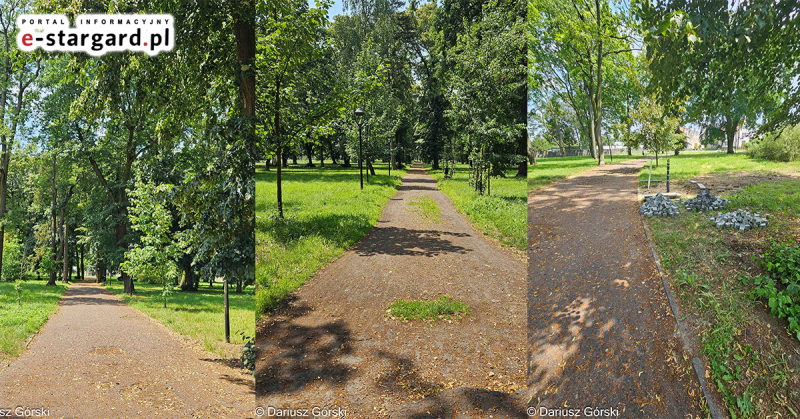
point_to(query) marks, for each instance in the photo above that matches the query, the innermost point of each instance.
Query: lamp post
(360, 121)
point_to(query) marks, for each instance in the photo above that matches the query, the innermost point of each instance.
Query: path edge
(697, 363)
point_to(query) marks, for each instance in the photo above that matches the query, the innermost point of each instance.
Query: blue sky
(336, 9)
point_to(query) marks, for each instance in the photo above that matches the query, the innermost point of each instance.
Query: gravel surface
(335, 346)
(600, 330)
(99, 358)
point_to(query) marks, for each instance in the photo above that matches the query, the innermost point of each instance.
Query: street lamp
(360, 121)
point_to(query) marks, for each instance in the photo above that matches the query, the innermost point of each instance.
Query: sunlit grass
(500, 215)
(550, 169)
(17, 324)
(444, 307)
(326, 213)
(197, 314)
(688, 165)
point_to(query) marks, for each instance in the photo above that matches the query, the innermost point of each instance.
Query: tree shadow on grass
(290, 355)
(403, 241)
(339, 229)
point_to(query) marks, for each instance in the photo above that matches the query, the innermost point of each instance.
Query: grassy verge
(17, 324)
(550, 169)
(444, 307)
(752, 360)
(325, 213)
(196, 314)
(688, 165)
(500, 215)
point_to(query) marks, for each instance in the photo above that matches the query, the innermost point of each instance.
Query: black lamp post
(360, 121)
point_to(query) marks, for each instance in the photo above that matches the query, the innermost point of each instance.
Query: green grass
(688, 165)
(445, 307)
(196, 314)
(427, 208)
(326, 213)
(501, 215)
(775, 197)
(711, 270)
(550, 169)
(17, 324)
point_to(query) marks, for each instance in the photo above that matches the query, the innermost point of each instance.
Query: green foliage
(540, 144)
(156, 254)
(12, 260)
(18, 289)
(782, 263)
(248, 357)
(654, 129)
(444, 307)
(783, 145)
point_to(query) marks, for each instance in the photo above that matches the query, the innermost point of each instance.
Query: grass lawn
(326, 213)
(550, 169)
(197, 314)
(688, 165)
(17, 323)
(444, 307)
(752, 359)
(500, 215)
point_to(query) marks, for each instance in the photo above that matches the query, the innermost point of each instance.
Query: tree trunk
(66, 273)
(278, 182)
(238, 285)
(309, 153)
(52, 280)
(266, 164)
(100, 269)
(370, 168)
(730, 132)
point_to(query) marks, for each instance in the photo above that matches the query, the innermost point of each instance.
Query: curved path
(600, 329)
(335, 346)
(99, 358)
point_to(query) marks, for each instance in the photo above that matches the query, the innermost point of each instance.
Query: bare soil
(99, 358)
(600, 329)
(726, 183)
(334, 344)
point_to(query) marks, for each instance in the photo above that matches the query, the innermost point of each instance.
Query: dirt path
(335, 346)
(600, 329)
(99, 358)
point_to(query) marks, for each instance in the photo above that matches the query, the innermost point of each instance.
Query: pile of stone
(705, 201)
(740, 220)
(658, 205)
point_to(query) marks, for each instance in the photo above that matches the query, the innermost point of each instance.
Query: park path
(99, 358)
(334, 345)
(600, 329)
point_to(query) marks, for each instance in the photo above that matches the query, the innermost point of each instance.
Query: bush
(778, 146)
(781, 289)
(12, 260)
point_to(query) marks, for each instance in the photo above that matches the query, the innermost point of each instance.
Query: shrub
(12, 260)
(783, 145)
(781, 289)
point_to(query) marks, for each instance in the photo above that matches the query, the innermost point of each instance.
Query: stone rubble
(740, 220)
(705, 201)
(658, 205)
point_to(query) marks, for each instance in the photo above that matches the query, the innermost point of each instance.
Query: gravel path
(600, 329)
(335, 346)
(99, 358)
